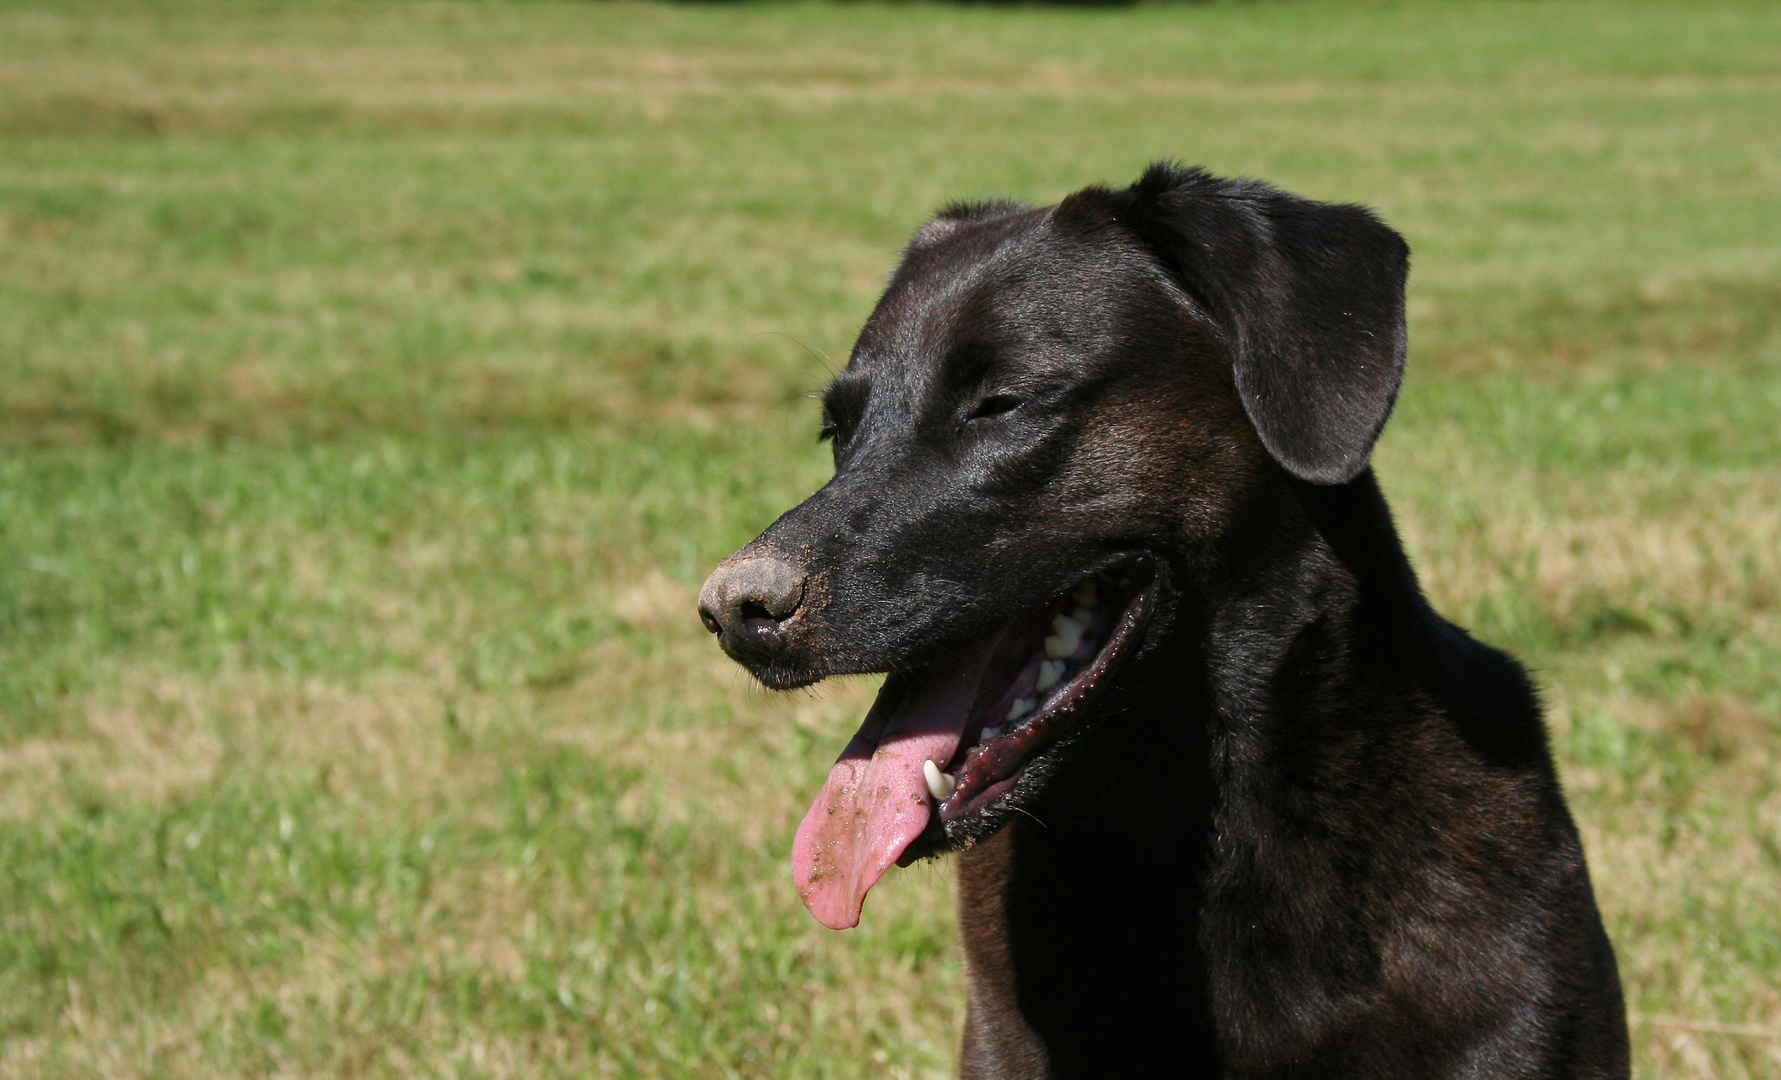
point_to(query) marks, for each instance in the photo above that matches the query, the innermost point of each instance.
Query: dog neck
(1083, 924)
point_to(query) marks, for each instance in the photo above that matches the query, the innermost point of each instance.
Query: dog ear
(1309, 297)
(956, 215)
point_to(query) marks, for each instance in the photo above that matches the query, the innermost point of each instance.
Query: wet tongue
(875, 802)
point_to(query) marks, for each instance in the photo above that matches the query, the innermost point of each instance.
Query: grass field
(378, 381)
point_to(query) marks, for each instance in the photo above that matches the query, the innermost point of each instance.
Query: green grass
(378, 381)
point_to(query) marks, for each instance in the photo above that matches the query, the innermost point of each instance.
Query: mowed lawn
(378, 381)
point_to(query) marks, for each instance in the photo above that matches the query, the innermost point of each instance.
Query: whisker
(822, 357)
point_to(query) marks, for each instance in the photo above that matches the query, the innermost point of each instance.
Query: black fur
(1309, 300)
(1313, 829)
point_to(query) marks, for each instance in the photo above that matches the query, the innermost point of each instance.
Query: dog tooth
(1083, 616)
(1020, 708)
(1050, 671)
(1068, 635)
(989, 733)
(939, 783)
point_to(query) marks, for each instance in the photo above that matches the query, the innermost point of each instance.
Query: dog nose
(746, 602)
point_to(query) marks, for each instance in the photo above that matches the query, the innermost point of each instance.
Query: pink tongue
(875, 802)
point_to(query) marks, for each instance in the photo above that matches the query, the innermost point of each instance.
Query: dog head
(1051, 417)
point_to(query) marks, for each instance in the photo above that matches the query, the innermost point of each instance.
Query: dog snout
(748, 601)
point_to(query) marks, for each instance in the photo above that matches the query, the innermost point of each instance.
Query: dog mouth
(947, 743)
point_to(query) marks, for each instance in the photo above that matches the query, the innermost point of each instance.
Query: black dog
(1233, 800)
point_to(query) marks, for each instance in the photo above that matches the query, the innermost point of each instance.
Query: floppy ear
(1309, 297)
(957, 215)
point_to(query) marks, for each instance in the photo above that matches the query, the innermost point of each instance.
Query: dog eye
(834, 430)
(994, 405)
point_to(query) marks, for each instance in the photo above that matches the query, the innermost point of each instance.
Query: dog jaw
(913, 781)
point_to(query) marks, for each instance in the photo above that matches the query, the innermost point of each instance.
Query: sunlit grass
(377, 382)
